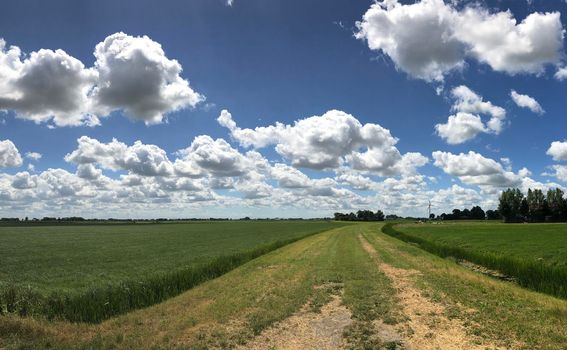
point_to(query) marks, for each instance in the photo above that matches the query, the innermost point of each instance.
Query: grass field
(234, 309)
(538, 242)
(534, 254)
(69, 271)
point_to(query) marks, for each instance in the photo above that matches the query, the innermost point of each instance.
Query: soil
(427, 326)
(306, 330)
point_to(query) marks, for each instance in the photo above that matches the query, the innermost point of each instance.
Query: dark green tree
(457, 214)
(365, 215)
(510, 204)
(477, 213)
(536, 205)
(493, 215)
(557, 204)
(524, 210)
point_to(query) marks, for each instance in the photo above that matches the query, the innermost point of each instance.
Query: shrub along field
(92, 272)
(534, 254)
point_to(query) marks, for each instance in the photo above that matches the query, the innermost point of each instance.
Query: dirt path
(429, 327)
(306, 330)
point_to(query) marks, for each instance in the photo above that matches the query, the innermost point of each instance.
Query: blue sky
(269, 62)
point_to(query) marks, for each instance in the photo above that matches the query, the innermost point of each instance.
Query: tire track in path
(306, 330)
(429, 327)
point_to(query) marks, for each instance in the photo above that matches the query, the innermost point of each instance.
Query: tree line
(535, 206)
(475, 213)
(78, 219)
(361, 215)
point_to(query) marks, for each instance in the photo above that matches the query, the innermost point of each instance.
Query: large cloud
(9, 155)
(130, 73)
(474, 169)
(47, 84)
(430, 38)
(141, 159)
(466, 123)
(136, 76)
(208, 173)
(218, 158)
(230, 179)
(289, 177)
(329, 141)
(419, 38)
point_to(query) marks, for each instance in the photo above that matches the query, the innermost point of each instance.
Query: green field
(52, 268)
(546, 243)
(238, 307)
(534, 254)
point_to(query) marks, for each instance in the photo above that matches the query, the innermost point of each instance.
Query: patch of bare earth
(306, 330)
(427, 326)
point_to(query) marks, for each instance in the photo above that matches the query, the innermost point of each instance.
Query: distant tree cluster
(475, 213)
(78, 219)
(361, 215)
(44, 219)
(534, 207)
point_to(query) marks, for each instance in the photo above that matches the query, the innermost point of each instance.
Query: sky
(215, 108)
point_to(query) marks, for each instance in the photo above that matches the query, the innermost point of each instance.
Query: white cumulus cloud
(23, 180)
(460, 128)
(558, 150)
(328, 142)
(45, 85)
(141, 159)
(559, 172)
(561, 73)
(135, 75)
(430, 38)
(33, 155)
(218, 157)
(131, 74)
(474, 169)
(9, 155)
(466, 123)
(526, 101)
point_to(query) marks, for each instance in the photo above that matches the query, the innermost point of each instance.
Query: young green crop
(90, 273)
(534, 254)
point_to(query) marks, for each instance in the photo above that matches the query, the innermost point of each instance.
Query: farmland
(52, 268)
(542, 242)
(376, 278)
(534, 254)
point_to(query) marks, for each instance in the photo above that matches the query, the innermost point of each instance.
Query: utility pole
(429, 211)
